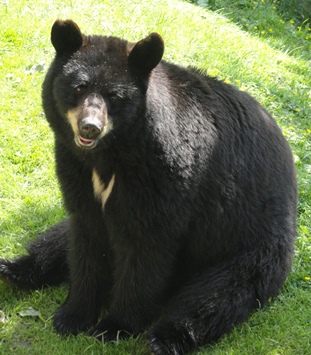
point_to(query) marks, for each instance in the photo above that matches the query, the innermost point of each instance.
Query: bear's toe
(107, 330)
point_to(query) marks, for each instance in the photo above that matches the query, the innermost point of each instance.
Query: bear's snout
(90, 128)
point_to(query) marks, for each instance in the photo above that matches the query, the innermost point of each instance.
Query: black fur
(197, 227)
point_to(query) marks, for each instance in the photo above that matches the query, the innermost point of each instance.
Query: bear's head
(97, 83)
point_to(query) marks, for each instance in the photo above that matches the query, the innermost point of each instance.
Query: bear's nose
(90, 130)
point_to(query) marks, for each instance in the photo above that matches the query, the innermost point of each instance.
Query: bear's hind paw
(21, 272)
(8, 274)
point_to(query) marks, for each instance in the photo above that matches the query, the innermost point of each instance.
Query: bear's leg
(142, 274)
(216, 300)
(90, 275)
(45, 264)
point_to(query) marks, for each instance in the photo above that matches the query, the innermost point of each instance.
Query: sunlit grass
(272, 62)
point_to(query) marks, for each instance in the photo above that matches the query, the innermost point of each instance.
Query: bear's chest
(102, 191)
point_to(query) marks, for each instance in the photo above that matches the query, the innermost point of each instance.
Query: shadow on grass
(267, 20)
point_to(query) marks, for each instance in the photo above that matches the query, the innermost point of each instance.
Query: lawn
(250, 44)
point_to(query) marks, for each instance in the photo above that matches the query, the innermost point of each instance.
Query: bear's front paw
(108, 330)
(169, 339)
(67, 322)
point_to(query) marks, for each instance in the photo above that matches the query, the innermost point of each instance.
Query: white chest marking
(101, 191)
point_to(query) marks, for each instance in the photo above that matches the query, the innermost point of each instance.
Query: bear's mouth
(85, 143)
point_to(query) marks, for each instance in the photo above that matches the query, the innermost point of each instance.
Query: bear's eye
(80, 89)
(112, 96)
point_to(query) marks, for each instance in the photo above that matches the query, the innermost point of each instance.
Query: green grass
(247, 43)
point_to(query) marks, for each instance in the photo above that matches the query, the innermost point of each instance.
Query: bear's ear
(147, 53)
(66, 37)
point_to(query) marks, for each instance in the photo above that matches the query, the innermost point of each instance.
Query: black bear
(180, 190)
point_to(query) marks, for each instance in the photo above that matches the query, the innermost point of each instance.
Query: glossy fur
(181, 192)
